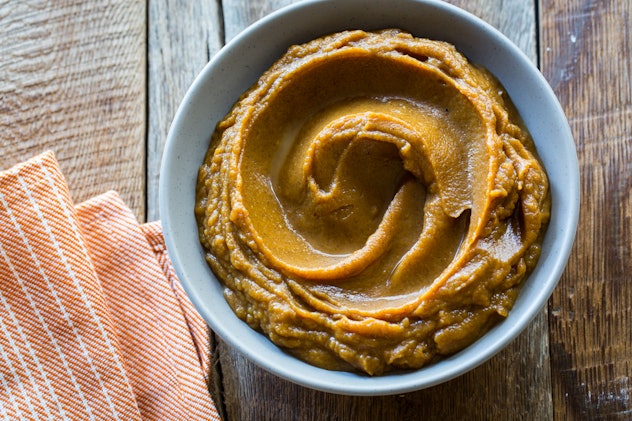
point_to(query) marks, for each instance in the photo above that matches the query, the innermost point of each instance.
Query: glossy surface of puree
(372, 202)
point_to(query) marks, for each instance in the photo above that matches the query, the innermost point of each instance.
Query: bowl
(239, 64)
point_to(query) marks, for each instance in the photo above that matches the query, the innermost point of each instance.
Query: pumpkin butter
(373, 202)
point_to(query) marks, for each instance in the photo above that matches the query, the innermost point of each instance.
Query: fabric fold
(91, 325)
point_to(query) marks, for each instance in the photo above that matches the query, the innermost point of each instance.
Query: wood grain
(586, 48)
(501, 388)
(238, 14)
(183, 35)
(72, 79)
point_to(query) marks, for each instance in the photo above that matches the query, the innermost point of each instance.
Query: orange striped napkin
(94, 324)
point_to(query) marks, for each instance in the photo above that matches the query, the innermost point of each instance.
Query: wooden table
(98, 82)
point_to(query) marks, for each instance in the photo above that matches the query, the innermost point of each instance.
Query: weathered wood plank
(585, 49)
(238, 14)
(72, 79)
(502, 388)
(183, 35)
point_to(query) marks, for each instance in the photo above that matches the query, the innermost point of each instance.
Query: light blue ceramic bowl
(238, 65)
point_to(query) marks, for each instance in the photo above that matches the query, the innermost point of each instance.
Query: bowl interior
(238, 65)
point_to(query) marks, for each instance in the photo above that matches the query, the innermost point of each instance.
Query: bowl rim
(271, 358)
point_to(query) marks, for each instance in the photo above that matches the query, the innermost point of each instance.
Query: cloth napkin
(94, 324)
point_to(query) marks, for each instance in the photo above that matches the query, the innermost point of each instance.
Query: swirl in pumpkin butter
(373, 202)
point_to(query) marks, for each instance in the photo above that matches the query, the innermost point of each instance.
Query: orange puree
(373, 202)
